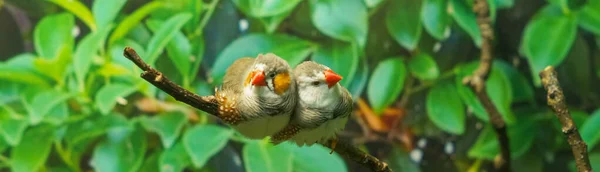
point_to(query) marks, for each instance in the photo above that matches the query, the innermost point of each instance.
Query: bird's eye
(272, 75)
(316, 83)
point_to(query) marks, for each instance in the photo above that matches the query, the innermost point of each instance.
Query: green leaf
(3, 145)
(445, 109)
(590, 131)
(105, 11)
(122, 151)
(522, 133)
(52, 33)
(58, 114)
(163, 35)
(168, 126)
(79, 9)
(12, 126)
(179, 49)
(133, 20)
(55, 68)
(359, 81)
(557, 31)
(291, 49)
(198, 45)
(341, 57)
(520, 86)
(314, 158)
(272, 22)
(20, 69)
(85, 52)
(435, 18)
(204, 141)
(504, 3)
(93, 127)
(576, 69)
(265, 157)
(174, 159)
(31, 153)
(372, 3)
(386, 83)
(403, 21)
(498, 89)
(465, 17)
(345, 20)
(107, 96)
(151, 163)
(43, 103)
(589, 17)
(423, 67)
(261, 8)
(402, 160)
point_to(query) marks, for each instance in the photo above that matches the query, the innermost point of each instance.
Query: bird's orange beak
(258, 78)
(331, 78)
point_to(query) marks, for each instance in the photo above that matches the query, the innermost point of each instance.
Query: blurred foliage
(69, 101)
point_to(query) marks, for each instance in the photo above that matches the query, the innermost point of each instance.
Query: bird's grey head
(318, 85)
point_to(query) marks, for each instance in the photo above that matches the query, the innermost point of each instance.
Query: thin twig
(209, 105)
(556, 101)
(477, 83)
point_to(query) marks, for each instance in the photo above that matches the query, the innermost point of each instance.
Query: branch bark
(210, 105)
(477, 83)
(556, 101)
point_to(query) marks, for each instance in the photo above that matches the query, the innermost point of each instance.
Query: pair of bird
(263, 96)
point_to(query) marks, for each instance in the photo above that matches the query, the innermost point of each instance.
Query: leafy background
(69, 101)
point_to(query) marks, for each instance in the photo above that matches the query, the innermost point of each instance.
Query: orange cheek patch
(249, 78)
(281, 82)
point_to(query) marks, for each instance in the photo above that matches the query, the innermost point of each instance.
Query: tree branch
(556, 101)
(477, 83)
(209, 105)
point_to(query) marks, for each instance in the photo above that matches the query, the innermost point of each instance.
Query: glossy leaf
(402, 160)
(590, 131)
(265, 157)
(589, 16)
(341, 57)
(423, 67)
(105, 11)
(79, 9)
(557, 31)
(94, 127)
(198, 48)
(465, 18)
(504, 3)
(314, 158)
(52, 33)
(163, 35)
(522, 134)
(435, 18)
(341, 19)
(12, 126)
(291, 49)
(43, 102)
(122, 151)
(386, 83)
(168, 126)
(498, 89)
(204, 141)
(55, 68)
(372, 3)
(85, 52)
(20, 69)
(107, 96)
(445, 109)
(261, 8)
(174, 159)
(403, 21)
(359, 81)
(520, 86)
(31, 153)
(272, 22)
(179, 50)
(133, 20)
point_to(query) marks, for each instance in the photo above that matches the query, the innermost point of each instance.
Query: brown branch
(477, 83)
(556, 101)
(209, 105)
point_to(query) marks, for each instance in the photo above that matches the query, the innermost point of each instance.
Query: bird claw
(333, 144)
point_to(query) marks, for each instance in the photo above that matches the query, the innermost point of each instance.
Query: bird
(258, 95)
(323, 107)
